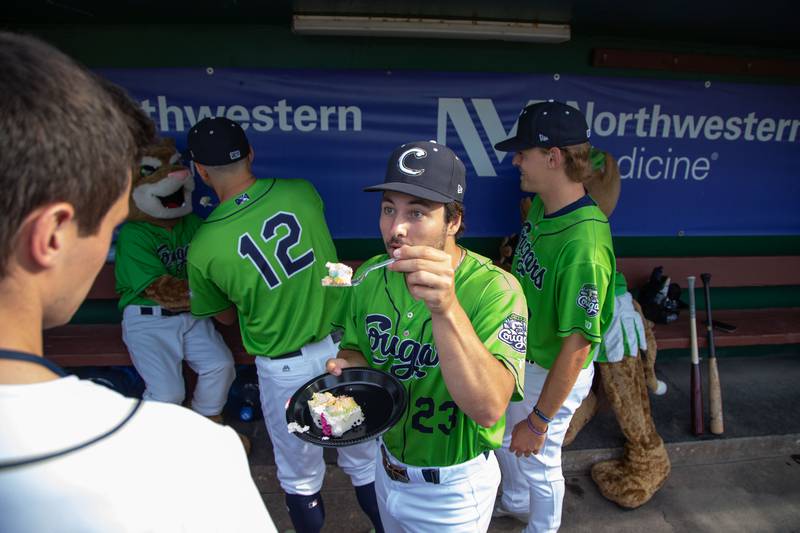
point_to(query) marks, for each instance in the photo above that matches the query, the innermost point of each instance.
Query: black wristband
(541, 415)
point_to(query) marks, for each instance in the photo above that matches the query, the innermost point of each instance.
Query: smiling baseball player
(565, 264)
(452, 328)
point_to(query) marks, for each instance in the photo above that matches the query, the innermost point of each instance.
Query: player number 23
(427, 407)
(289, 265)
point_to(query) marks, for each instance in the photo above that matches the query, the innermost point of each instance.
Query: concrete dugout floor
(747, 479)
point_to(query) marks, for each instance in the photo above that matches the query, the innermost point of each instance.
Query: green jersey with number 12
(264, 251)
(393, 331)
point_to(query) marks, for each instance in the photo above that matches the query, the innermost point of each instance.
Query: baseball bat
(714, 390)
(696, 400)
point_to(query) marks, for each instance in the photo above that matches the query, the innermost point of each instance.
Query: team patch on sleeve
(587, 299)
(514, 332)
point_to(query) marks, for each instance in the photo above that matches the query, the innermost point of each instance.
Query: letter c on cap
(418, 153)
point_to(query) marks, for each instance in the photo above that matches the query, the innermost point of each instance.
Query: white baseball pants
(301, 467)
(535, 484)
(158, 345)
(461, 502)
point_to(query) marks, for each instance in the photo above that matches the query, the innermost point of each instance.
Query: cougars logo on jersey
(527, 262)
(407, 356)
(588, 300)
(514, 332)
(176, 257)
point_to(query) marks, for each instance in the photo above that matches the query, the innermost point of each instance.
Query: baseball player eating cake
(338, 274)
(450, 327)
(334, 414)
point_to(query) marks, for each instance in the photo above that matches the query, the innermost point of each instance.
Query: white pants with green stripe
(535, 484)
(301, 467)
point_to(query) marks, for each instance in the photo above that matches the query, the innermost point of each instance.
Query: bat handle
(712, 351)
(697, 401)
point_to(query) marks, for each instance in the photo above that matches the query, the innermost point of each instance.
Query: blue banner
(696, 158)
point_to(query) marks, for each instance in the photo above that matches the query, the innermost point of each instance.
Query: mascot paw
(632, 481)
(661, 389)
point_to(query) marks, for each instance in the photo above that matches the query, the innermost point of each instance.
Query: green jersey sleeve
(585, 293)
(205, 296)
(500, 320)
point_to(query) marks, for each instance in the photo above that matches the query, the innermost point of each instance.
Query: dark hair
(62, 138)
(141, 125)
(453, 210)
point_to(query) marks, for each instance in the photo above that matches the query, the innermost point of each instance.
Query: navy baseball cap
(217, 141)
(545, 125)
(426, 170)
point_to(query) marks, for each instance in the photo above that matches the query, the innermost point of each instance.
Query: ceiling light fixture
(430, 28)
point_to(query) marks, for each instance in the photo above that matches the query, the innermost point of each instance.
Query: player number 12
(290, 267)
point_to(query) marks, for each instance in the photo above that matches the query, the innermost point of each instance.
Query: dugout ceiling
(768, 23)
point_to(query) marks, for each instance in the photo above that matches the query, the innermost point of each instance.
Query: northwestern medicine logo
(645, 123)
(478, 127)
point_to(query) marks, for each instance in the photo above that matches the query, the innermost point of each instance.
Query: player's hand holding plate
(381, 396)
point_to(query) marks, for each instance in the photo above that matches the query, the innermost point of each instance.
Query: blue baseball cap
(545, 125)
(217, 141)
(427, 170)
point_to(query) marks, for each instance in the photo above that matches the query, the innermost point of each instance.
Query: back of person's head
(220, 145)
(552, 124)
(142, 126)
(63, 139)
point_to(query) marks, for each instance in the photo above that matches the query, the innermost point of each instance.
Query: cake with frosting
(338, 274)
(334, 414)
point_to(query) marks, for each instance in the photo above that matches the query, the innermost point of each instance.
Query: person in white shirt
(75, 456)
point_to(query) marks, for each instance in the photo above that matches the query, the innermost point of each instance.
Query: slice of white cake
(338, 274)
(334, 414)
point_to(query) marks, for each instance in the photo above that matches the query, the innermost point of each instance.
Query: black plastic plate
(381, 396)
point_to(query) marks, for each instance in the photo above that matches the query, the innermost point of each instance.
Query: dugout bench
(100, 344)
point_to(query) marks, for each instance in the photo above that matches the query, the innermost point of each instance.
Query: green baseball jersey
(393, 331)
(146, 252)
(565, 264)
(264, 251)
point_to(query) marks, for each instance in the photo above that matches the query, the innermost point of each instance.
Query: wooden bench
(769, 325)
(76, 345)
(80, 345)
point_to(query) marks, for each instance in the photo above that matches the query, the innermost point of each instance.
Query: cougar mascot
(151, 280)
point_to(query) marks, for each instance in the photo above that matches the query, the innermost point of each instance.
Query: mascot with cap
(151, 280)
(626, 369)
